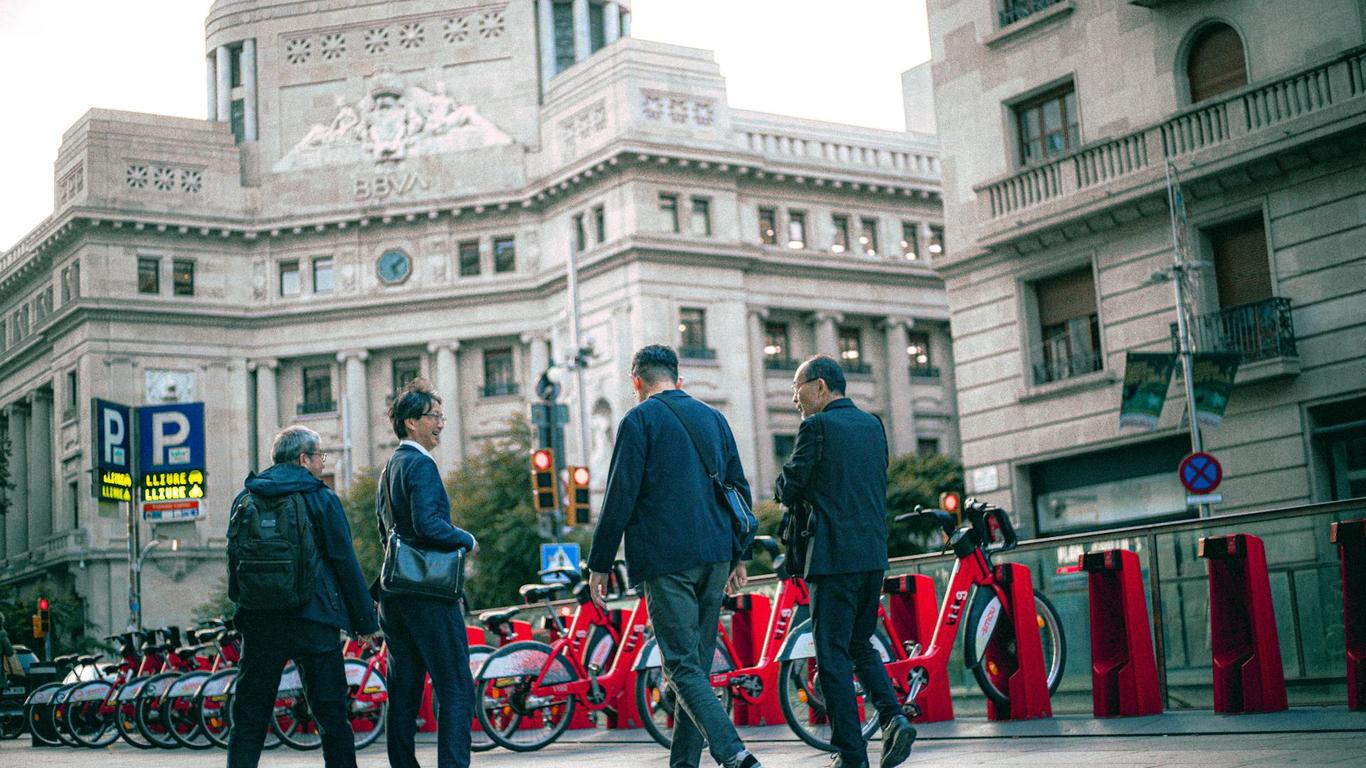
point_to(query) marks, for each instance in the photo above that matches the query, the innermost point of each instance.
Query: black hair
(655, 363)
(415, 400)
(827, 369)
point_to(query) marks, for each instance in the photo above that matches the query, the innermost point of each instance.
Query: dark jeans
(268, 641)
(426, 636)
(844, 617)
(684, 607)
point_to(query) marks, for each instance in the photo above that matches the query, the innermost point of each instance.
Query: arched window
(1216, 63)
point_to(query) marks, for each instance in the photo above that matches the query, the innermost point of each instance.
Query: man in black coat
(839, 467)
(310, 635)
(679, 543)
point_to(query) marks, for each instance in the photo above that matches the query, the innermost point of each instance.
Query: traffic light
(577, 492)
(545, 492)
(951, 503)
(42, 623)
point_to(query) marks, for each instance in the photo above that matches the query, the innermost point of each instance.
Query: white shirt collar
(418, 446)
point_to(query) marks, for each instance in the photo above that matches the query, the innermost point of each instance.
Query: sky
(838, 61)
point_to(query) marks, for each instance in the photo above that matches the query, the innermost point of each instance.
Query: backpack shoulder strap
(707, 463)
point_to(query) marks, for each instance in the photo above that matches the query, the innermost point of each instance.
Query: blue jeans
(684, 608)
(426, 636)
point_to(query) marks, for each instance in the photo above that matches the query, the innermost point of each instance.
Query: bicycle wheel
(293, 720)
(58, 714)
(151, 718)
(88, 719)
(211, 707)
(12, 721)
(36, 714)
(519, 715)
(657, 702)
(365, 706)
(983, 630)
(803, 703)
(479, 741)
(178, 704)
(126, 714)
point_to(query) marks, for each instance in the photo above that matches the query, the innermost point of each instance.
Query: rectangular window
(317, 390)
(1048, 125)
(289, 278)
(500, 377)
(936, 240)
(841, 242)
(1242, 267)
(469, 258)
(796, 230)
(867, 236)
(910, 240)
(768, 226)
(777, 348)
(700, 223)
(564, 36)
(235, 65)
(692, 334)
(918, 355)
(73, 396)
(404, 370)
(504, 254)
(600, 224)
(782, 448)
(926, 447)
(851, 350)
(322, 274)
(149, 275)
(73, 492)
(597, 33)
(1069, 328)
(580, 234)
(182, 277)
(238, 121)
(66, 285)
(668, 212)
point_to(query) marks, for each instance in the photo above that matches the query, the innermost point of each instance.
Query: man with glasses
(426, 635)
(839, 467)
(311, 633)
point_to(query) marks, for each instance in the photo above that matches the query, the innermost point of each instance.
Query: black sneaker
(743, 760)
(838, 761)
(897, 739)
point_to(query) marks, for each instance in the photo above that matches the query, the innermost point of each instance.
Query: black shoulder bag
(410, 570)
(744, 525)
(799, 524)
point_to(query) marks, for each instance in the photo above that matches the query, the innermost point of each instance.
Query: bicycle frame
(617, 679)
(753, 682)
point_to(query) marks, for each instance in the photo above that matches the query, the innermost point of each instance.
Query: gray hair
(293, 441)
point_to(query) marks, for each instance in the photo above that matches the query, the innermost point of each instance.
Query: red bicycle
(972, 586)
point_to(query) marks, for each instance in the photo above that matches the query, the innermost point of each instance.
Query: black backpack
(272, 553)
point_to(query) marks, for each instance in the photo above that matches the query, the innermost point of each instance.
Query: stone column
(583, 46)
(224, 66)
(545, 23)
(450, 452)
(900, 408)
(16, 530)
(211, 83)
(358, 408)
(941, 354)
(249, 89)
(267, 409)
(764, 467)
(626, 24)
(827, 337)
(611, 24)
(40, 489)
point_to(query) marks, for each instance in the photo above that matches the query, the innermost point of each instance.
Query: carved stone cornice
(348, 354)
(436, 346)
(270, 363)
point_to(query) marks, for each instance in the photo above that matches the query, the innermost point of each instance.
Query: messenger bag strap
(696, 440)
(386, 513)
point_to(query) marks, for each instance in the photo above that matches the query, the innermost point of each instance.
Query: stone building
(1057, 121)
(386, 191)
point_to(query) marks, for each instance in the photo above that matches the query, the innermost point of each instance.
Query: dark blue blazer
(659, 496)
(839, 466)
(418, 502)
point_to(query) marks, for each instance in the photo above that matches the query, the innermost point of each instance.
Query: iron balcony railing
(924, 372)
(317, 406)
(697, 353)
(1263, 330)
(1014, 10)
(780, 364)
(1056, 359)
(858, 369)
(500, 388)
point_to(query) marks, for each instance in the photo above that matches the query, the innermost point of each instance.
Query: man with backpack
(297, 585)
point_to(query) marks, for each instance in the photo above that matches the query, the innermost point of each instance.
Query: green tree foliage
(6, 485)
(218, 606)
(70, 630)
(359, 503)
(913, 480)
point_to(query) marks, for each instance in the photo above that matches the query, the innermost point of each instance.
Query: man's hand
(597, 589)
(369, 638)
(738, 578)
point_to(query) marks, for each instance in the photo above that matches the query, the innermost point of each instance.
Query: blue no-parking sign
(558, 557)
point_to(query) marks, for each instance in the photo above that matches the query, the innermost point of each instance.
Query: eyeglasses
(798, 385)
(318, 453)
(438, 417)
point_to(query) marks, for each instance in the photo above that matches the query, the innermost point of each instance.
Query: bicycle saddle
(495, 619)
(539, 591)
(85, 660)
(64, 660)
(109, 669)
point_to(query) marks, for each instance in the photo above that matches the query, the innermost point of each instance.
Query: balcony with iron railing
(1059, 358)
(694, 352)
(1016, 10)
(1262, 332)
(780, 364)
(924, 372)
(311, 407)
(1102, 172)
(500, 388)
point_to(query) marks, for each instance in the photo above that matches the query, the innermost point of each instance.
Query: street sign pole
(1179, 268)
(134, 576)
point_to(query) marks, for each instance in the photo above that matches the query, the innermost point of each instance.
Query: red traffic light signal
(42, 604)
(951, 503)
(545, 490)
(577, 493)
(542, 460)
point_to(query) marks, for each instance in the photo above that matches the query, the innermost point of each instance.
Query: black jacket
(340, 598)
(846, 486)
(659, 496)
(419, 504)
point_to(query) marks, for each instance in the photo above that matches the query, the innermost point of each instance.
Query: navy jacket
(340, 598)
(839, 465)
(659, 496)
(419, 504)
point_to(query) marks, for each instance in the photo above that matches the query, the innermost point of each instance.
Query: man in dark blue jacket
(839, 468)
(679, 543)
(310, 635)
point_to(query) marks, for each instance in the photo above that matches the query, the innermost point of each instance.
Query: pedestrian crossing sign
(558, 557)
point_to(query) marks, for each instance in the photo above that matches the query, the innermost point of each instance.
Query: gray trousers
(684, 608)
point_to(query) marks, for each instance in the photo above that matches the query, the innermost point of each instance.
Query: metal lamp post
(137, 577)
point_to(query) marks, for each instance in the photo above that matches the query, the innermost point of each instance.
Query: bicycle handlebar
(984, 519)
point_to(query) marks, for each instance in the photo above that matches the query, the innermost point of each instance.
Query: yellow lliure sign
(116, 486)
(172, 486)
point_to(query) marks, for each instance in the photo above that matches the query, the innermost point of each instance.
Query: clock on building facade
(394, 266)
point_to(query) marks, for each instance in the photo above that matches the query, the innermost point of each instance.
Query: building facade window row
(849, 234)
(698, 211)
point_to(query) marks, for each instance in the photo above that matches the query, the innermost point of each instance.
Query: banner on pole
(1147, 376)
(1212, 375)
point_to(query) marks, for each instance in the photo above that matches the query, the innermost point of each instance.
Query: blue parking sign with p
(113, 436)
(170, 437)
